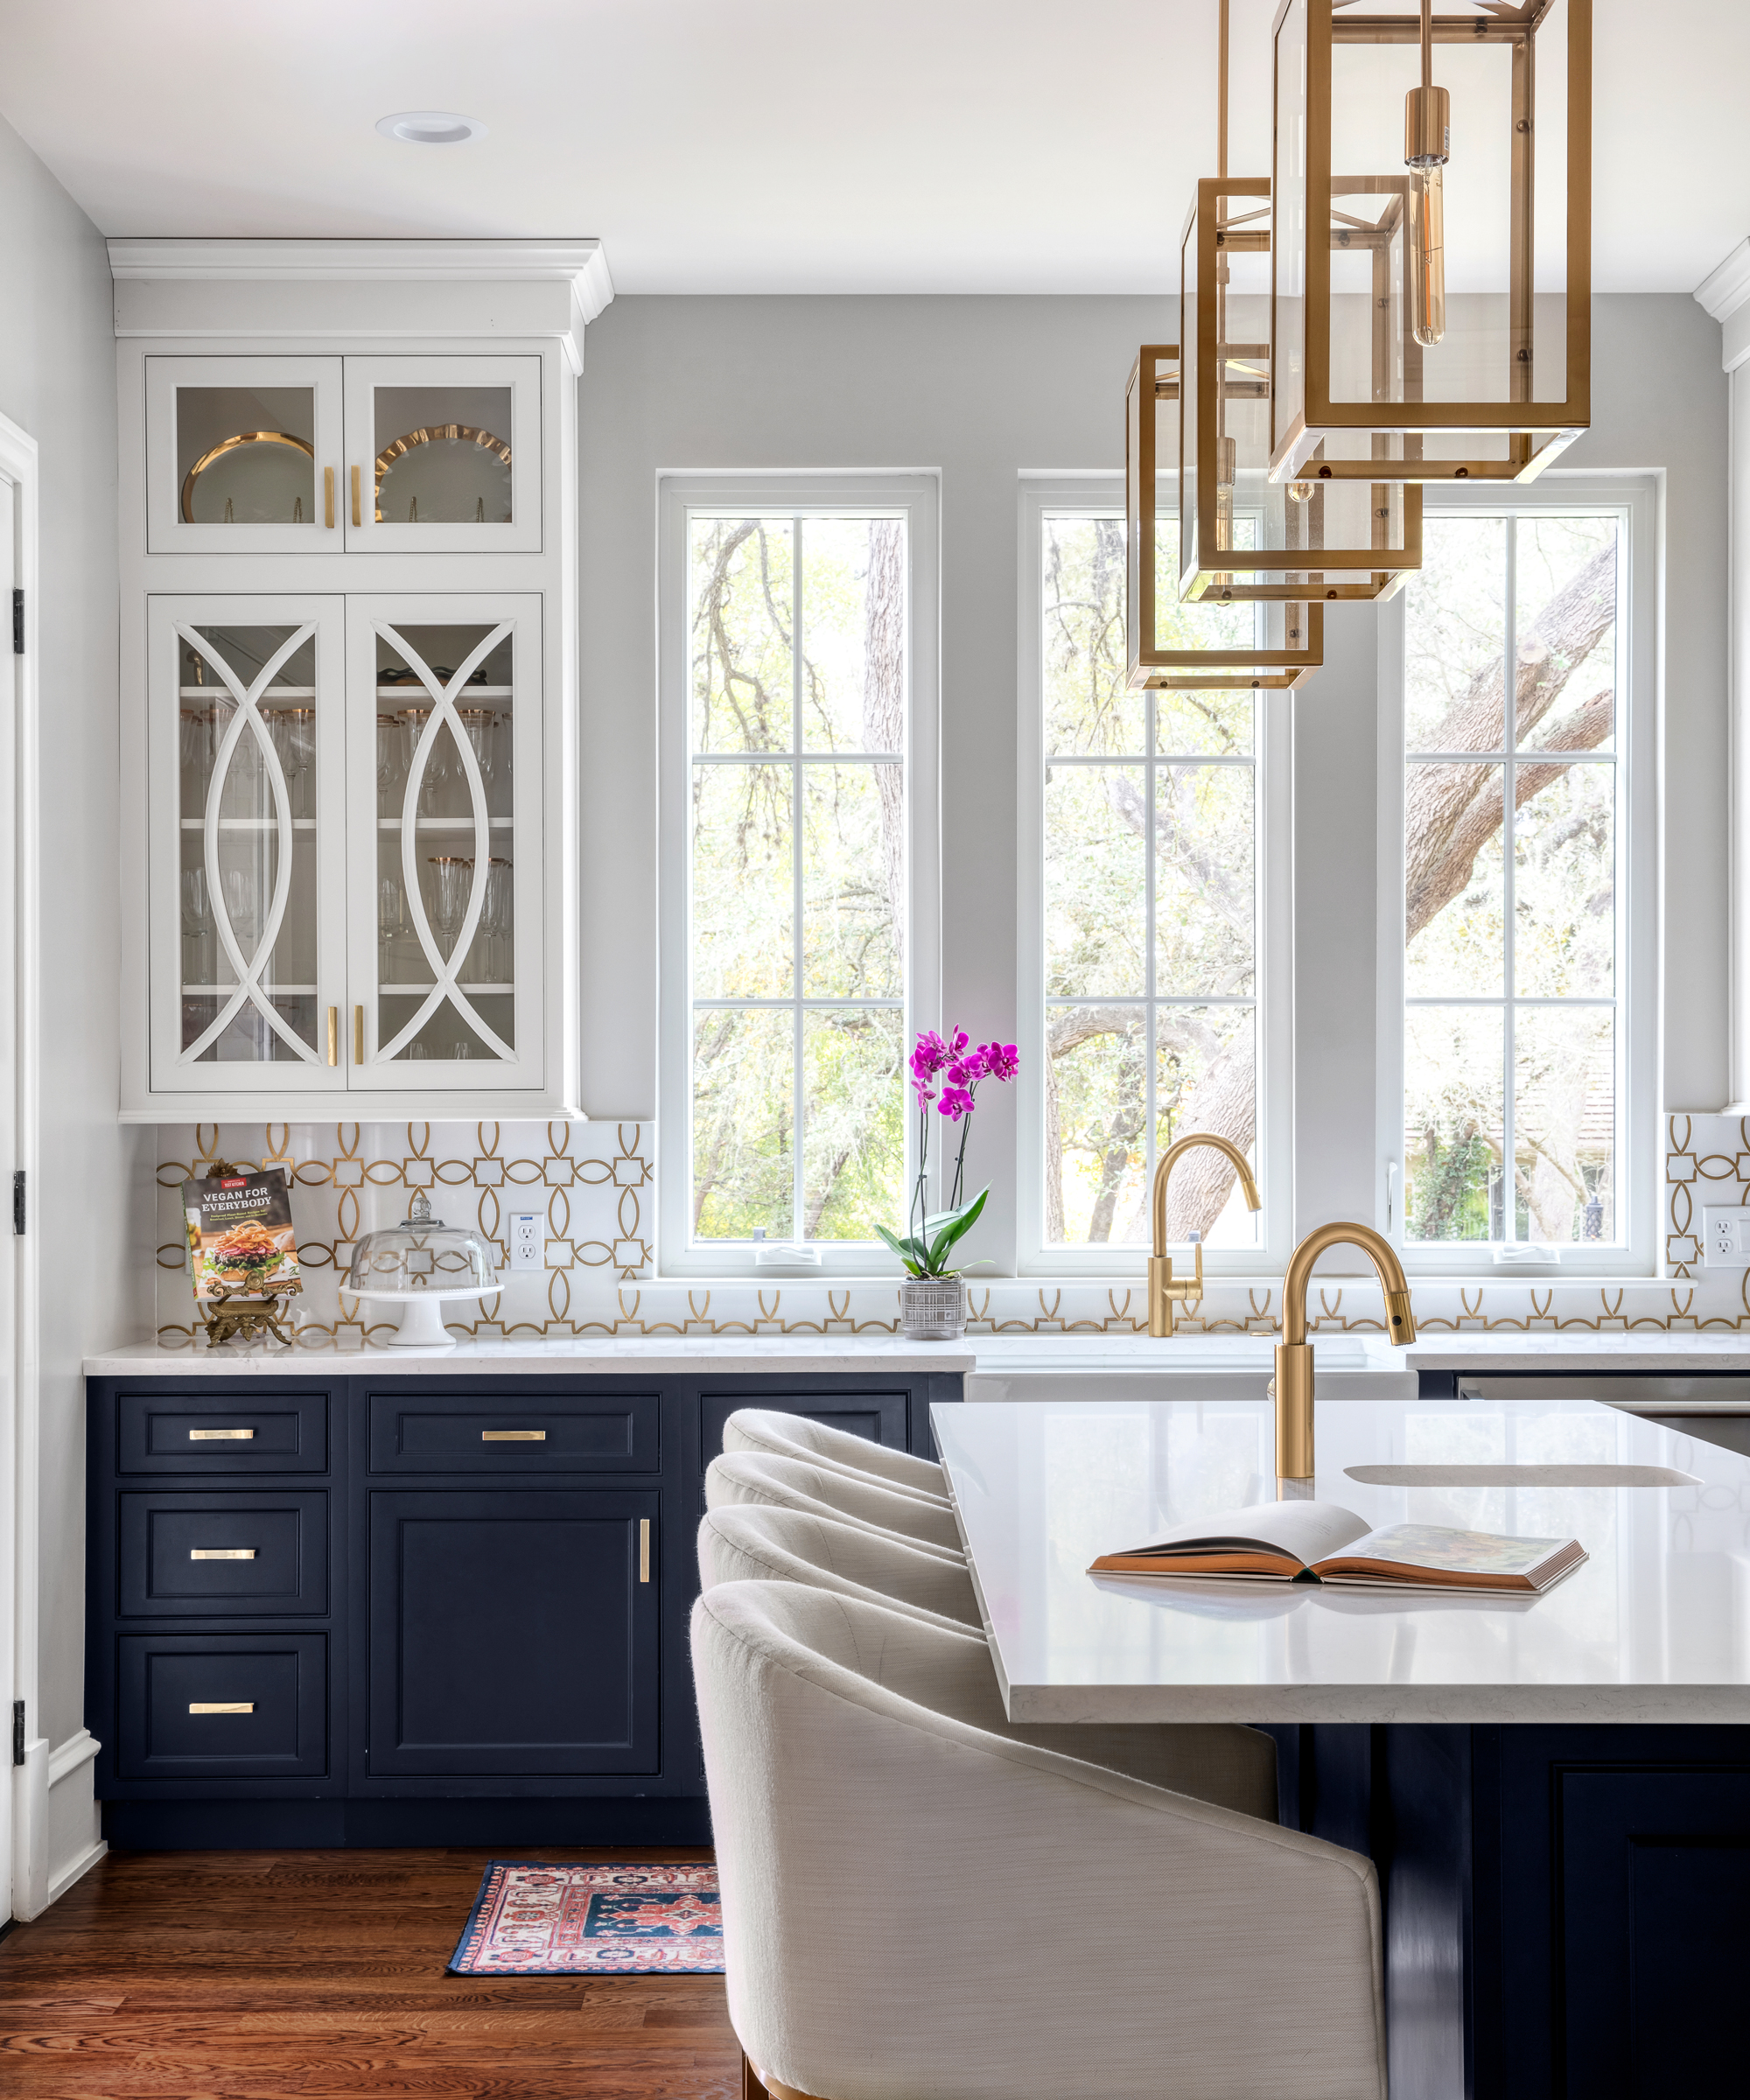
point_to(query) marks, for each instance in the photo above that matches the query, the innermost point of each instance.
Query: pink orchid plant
(946, 1075)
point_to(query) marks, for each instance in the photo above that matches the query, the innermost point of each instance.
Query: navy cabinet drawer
(199, 1431)
(515, 1632)
(878, 1415)
(223, 1706)
(489, 1433)
(196, 1555)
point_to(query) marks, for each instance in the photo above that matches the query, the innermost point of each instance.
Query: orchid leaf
(908, 1250)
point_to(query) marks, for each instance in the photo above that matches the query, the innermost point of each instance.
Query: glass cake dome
(419, 1264)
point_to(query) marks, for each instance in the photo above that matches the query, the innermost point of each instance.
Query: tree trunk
(884, 702)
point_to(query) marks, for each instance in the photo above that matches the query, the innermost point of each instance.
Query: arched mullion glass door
(444, 928)
(247, 772)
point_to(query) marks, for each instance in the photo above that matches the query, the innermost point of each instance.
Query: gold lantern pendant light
(1464, 352)
(1214, 645)
(1246, 535)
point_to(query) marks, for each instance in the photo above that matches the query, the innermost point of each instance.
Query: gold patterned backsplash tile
(593, 1186)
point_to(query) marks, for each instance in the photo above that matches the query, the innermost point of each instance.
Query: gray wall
(58, 382)
(983, 388)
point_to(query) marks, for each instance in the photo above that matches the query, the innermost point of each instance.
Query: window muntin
(1150, 918)
(1515, 860)
(798, 700)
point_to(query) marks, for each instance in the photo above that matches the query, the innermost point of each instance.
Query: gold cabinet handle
(221, 1706)
(644, 1549)
(221, 1552)
(207, 1435)
(358, 517)
(333, 1032)
(512, 1435)
(358, 1035)
(328, 497)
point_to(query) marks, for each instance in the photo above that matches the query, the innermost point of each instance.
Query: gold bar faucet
(1293, 1386)
(1167, 1293)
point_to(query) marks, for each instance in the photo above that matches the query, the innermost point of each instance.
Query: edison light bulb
(1429, 251)
(1426, 135)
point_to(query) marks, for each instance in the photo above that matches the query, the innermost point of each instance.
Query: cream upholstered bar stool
(918, 1900)
(761, 1543)
(750, 1476)
(1217, 1761)
(779, 1436)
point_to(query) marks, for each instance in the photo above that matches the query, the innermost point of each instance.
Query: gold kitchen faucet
(1166, 1292)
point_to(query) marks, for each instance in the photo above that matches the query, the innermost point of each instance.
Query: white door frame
(24, 1862)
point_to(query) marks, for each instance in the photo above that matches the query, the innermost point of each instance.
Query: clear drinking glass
(481, 725)
(495, 922)
(392, 757)
(294, 734)
(452, 882)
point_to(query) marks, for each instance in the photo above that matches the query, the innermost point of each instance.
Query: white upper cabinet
(349, 801)
(444, 454)
(243, 454)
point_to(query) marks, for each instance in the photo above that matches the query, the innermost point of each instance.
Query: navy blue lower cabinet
(1567, 1909)
(512, 1635)
(381, 1609)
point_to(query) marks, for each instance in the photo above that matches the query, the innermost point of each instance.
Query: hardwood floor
(239, 1976)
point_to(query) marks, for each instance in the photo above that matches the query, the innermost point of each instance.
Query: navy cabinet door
(879, 1416)
(512, 1633)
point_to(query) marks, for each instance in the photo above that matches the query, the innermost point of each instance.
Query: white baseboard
(56, 1828)
(63, 1879)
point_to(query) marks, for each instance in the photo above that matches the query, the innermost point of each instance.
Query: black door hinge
(17, 1732)
(18, 623)
(18, 1202)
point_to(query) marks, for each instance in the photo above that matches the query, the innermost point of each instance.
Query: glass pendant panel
(1244, 537)
(1207, 647)
(1431, 321)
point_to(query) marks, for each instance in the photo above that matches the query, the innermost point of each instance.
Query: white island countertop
(683, 1356)
(1654, 1627)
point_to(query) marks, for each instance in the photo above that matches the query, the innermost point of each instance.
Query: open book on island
(1320, 1542)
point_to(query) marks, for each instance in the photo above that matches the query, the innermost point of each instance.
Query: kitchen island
(1555, 1790)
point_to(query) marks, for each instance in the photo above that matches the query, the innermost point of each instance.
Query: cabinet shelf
(445, 823)
(422, 704)
(249, 823)
(273, 991)
(416, 991)
(274, 692)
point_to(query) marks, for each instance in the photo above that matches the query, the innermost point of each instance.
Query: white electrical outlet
(526, 1249)
(1726, 1239)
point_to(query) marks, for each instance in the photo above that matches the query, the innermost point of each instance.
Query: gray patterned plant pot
(933, 1308)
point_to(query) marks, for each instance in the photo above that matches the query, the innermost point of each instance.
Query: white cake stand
(422, 1319)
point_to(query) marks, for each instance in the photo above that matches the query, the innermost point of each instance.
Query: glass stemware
(393, 752)
(496, 922)
(293, 729)
(196, 929)
(452, 882)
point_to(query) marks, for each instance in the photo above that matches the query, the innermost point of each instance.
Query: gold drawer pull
(328, 518)
(221, 1552)
(512, 1435)
(207, 1436)
(221, 1706)
(644, 1549)
(357, 507)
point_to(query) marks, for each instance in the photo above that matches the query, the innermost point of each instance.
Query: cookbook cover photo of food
(240, 1235)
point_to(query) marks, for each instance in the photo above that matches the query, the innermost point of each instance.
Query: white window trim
(1640, 502)
(1120, 1261)
(917, 497)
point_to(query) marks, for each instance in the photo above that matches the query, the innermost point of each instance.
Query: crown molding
(582, 264)
(1725, 289)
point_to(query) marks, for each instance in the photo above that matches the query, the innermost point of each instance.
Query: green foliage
(927, 1253)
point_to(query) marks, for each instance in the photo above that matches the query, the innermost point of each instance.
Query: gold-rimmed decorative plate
(448, 474)
(259, 477)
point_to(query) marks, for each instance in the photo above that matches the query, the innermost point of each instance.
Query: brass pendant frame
(1154, 380)
(1304, 565)
(1535, 433)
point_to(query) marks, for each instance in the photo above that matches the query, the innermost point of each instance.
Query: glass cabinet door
(246, 757)
(444, 454)
(444, 918)
(243, 455)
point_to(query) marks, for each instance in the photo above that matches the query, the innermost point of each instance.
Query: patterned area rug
(531, 1919)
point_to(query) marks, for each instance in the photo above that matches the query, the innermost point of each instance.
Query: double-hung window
(1153, 832)
(1518, 1052)
(798, 916)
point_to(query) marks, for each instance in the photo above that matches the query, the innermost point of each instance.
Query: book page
(1301, 1531)
(1450, 1551)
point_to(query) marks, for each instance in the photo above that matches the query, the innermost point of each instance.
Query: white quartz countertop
(761, 1355)
(1017, 1357)
(1654, 1626)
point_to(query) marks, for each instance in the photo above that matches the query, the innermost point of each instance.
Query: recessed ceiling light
(431, 128)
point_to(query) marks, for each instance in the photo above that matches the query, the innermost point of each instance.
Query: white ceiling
(781, 145)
